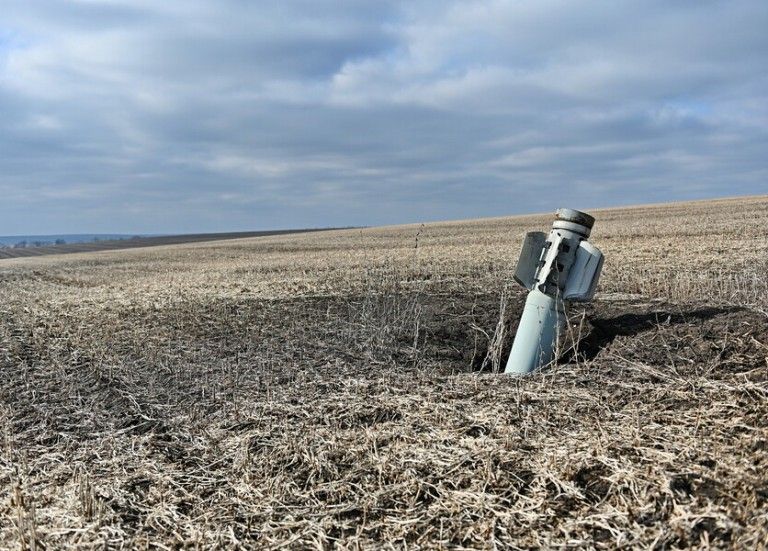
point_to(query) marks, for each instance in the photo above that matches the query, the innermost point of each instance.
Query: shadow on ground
(604, 330)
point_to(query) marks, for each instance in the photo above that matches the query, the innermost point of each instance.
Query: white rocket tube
(567, 267)
(542, 322)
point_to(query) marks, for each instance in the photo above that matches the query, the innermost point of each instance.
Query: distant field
(338, 388)
(136, 242)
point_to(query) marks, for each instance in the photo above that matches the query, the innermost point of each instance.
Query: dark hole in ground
(453, 332)
(593, 482)
(459, 332)
(693, 484)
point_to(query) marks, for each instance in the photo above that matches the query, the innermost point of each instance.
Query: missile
(556, 268)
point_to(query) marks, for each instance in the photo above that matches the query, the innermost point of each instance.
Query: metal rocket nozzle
(574, 220)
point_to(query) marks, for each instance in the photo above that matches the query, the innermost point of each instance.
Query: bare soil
(338, 390)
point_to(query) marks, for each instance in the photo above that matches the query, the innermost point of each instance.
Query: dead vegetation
(337, 389)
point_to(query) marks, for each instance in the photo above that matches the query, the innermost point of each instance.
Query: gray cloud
(194, 116)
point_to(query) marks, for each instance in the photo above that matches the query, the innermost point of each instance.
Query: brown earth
(338, 389)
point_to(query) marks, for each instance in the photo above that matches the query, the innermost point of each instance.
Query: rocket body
(561, 266)
(541, 324)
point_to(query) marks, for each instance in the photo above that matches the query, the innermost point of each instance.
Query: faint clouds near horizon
(202, 116)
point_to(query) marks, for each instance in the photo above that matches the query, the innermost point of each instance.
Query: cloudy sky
(204, 115)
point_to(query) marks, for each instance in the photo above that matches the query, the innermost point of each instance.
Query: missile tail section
(556, 267)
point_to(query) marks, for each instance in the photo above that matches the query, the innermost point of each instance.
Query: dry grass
(323, 389)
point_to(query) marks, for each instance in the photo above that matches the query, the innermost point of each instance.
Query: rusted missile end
(574, 220)
(576, 216)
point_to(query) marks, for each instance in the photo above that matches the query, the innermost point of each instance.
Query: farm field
(338, 389)
(132, 243)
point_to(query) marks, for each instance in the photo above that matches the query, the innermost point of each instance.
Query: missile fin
(584, 274)
(530, 254)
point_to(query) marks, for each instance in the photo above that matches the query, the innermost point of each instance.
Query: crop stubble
(335, 388)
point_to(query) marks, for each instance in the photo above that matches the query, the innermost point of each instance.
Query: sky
(139, 116)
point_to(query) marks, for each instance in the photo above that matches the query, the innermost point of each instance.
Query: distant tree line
(23, 244)
(37, 243)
